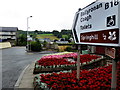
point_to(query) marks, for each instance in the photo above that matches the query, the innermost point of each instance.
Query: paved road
(14, 60)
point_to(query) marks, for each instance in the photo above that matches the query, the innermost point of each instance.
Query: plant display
(93, 79)
(51, 60)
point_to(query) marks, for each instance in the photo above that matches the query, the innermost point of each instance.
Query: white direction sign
(98, 24)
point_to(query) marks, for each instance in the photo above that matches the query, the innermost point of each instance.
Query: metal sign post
(78, 62)
(114, 74)
(114, 70)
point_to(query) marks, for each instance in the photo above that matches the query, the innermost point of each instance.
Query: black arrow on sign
(74, 30)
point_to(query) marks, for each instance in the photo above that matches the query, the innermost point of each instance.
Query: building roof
(7, 29)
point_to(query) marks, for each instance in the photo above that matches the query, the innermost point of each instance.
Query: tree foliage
(22, 35)
(21, 38)
(36, 46)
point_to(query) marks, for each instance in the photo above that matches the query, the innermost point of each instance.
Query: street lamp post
(27, 32)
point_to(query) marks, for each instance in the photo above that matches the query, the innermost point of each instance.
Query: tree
(36, 31)
(59, 35)
(55, 32)
(64, 32)
(22, 40)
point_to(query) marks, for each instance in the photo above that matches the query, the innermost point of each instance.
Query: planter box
(87, 65)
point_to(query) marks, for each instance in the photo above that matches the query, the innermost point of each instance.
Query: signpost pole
(78, 62)
(114, 71)
(114, 74)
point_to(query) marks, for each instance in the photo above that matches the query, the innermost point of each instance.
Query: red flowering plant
(55, 60)
(94, 79)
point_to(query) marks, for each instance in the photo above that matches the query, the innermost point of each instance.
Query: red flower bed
(88, 58)
(96, 79)
(51, 62)
(58, 59)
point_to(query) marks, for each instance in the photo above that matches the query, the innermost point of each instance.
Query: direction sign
(98, 24)
(101, 37)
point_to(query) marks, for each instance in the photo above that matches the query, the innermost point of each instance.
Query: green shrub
(35, 46)
(45, 44)
(69, 49)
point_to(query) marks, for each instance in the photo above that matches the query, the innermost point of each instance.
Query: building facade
(8, 34)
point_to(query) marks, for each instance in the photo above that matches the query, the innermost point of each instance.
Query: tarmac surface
(14, 62)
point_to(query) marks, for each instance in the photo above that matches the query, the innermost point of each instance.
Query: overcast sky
(47, 15)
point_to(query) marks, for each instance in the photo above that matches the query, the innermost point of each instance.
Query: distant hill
(50, 36)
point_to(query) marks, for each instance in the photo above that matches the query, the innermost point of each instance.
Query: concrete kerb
(20, 77)
(25, 80)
